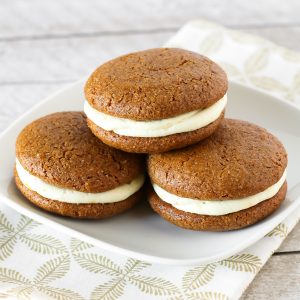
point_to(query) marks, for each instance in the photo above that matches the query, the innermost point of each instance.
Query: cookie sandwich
(155, 100)
(232, 179)
(64, 169)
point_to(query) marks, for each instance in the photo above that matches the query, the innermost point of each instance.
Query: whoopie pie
(63, 168)
(155, 100)
(232, 179)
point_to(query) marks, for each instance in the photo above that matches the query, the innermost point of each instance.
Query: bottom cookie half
(81, 211)
(230, 221)
(154, 144)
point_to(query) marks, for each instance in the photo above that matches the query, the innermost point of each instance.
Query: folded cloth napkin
(37, 262)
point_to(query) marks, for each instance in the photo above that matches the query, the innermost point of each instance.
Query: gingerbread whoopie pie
(155, 100)
(64, 169)
(232, 179)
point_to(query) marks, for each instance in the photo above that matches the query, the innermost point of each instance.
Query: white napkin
(37, 262)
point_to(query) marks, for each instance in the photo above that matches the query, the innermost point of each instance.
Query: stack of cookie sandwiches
(206, 172)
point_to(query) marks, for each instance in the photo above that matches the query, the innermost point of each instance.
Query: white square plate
(140, 233)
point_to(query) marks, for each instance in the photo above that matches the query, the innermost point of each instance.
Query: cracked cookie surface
(61, 150)
(238, 160)
(155, 84)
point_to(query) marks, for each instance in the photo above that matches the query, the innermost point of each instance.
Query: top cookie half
(59, 149)
(155, 84)
(155, 100)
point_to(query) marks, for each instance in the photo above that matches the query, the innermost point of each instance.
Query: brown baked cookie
(230, 180)
(63, 168)
(155, 100)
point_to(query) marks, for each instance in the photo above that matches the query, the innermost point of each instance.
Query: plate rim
(123, 251)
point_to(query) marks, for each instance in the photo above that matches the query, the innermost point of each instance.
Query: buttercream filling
(218, 207)
(53, 192)
(157, 128)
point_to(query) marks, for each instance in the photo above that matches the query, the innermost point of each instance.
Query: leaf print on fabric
(23, 287)
(3, 295)
(231, 70)
(5, 226)
(198, 276)
(153, 285)
(257, 61)
(211, 44)
(281, 230)
(7, 244)
(268, 83)
(26, 224)
(114, 288)
(242, 38)
(97, 264)
(243, 263)
(59, 293)
(194, 279)
(287, 54)
(52, 269)
(77, 245)
(12, 276)
(110, 290)
(207, 296)
(22, 292)
(12, 234)
(294, 89)
(177, 297)
(133, 265)
(43, 244)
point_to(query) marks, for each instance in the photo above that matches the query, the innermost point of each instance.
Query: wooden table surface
(46, 44)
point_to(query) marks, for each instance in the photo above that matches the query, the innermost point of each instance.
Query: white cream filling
(70, 196)
(183, 123)
(216, 207)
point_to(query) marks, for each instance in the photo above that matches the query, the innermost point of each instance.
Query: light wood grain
(279, 280)
(292, 242)
(35, 17)
(66, 59)
(71, 58)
